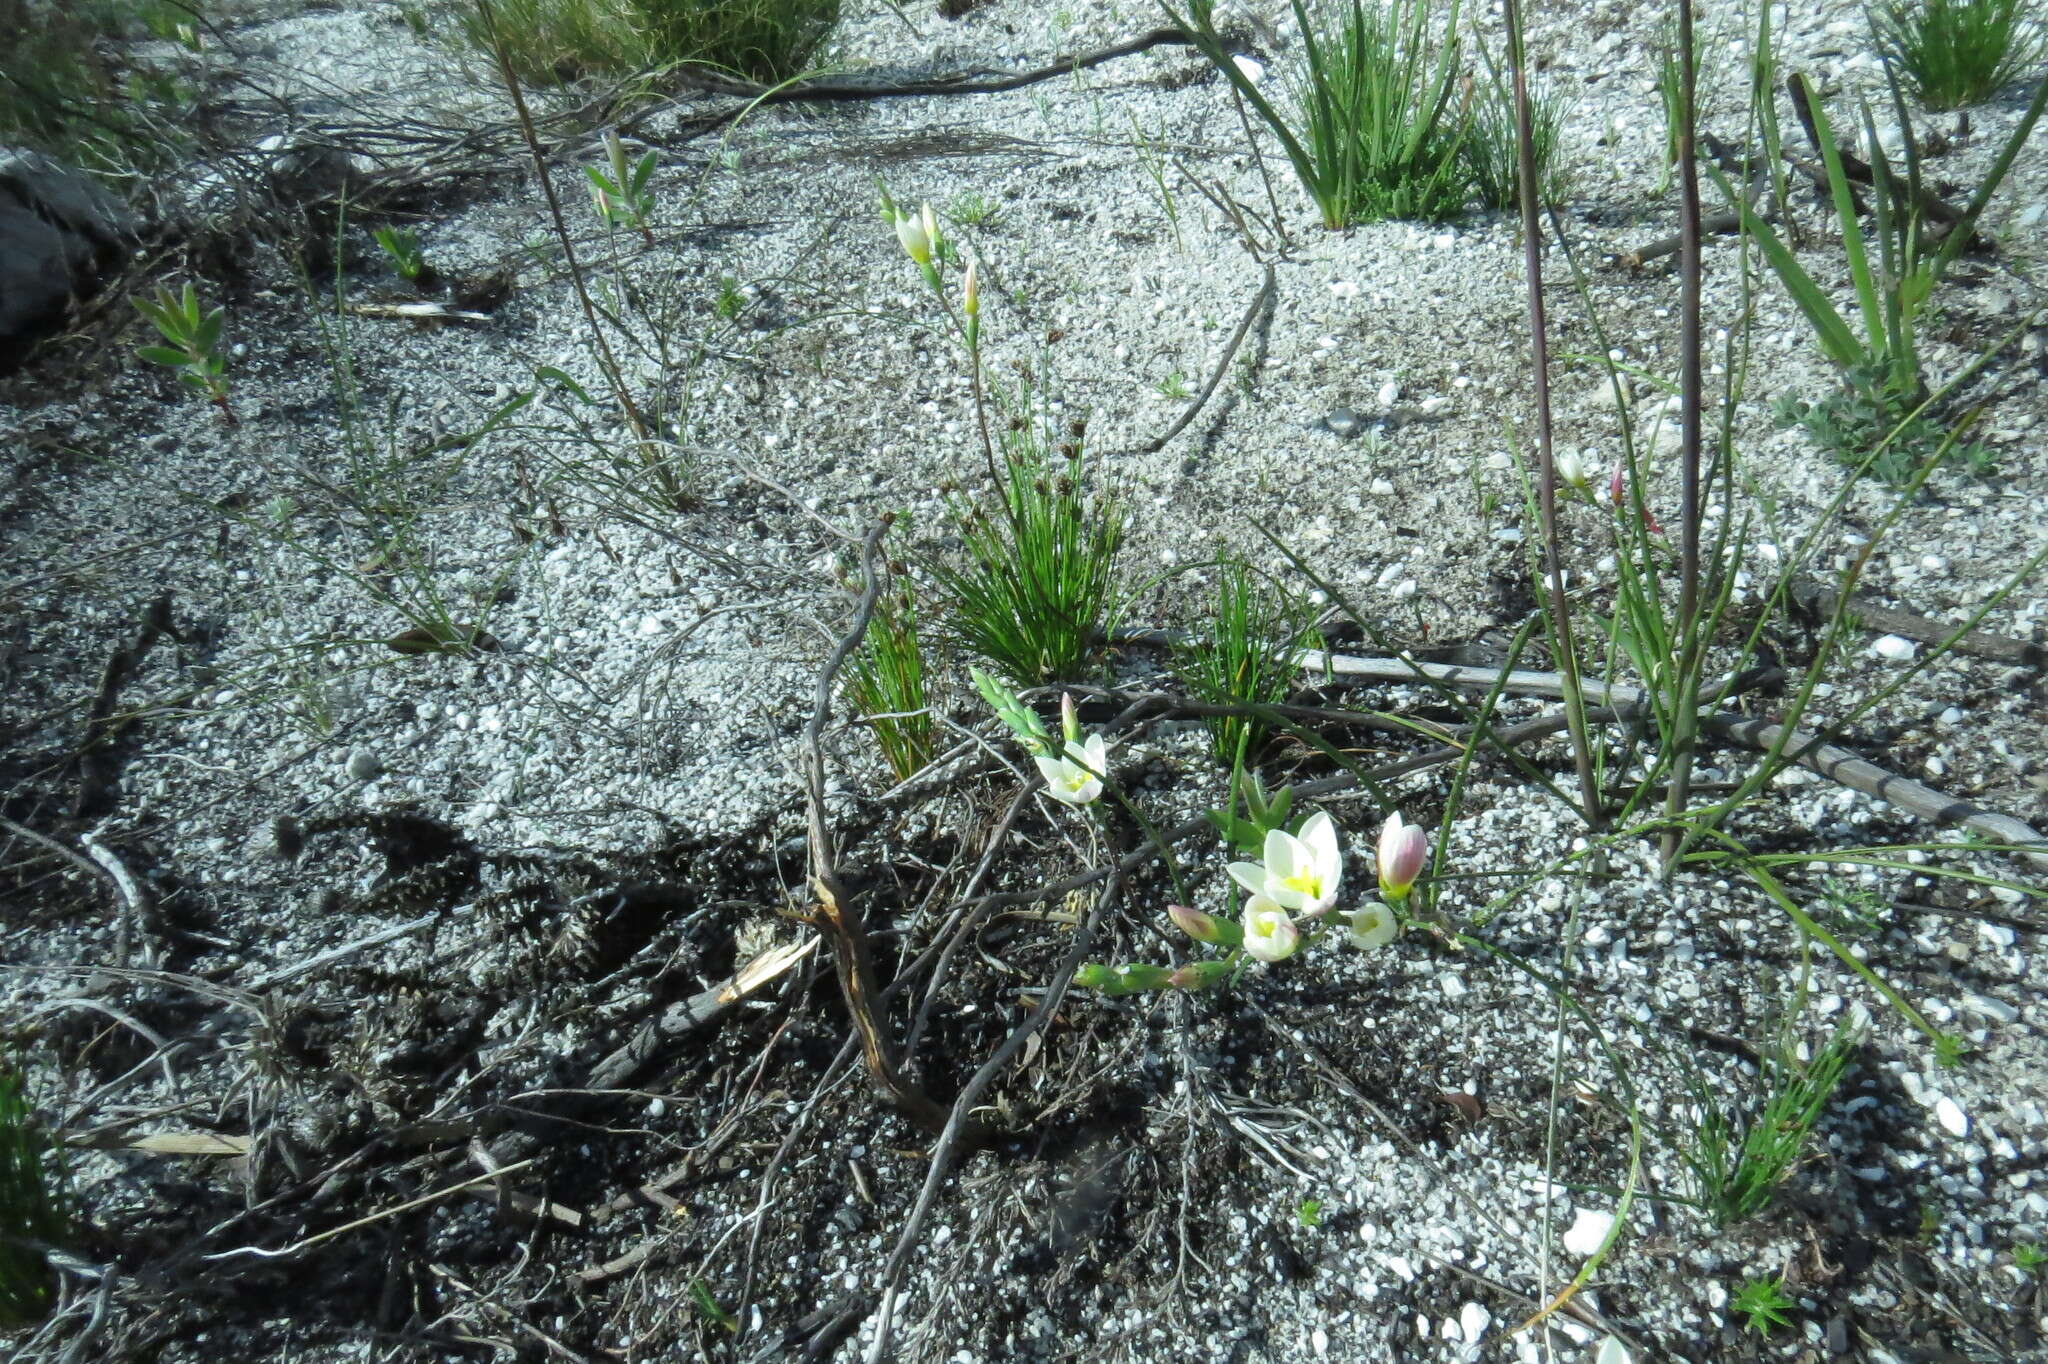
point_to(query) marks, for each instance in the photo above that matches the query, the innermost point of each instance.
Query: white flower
(1571, 469)
(1373, 925)
(1301, 873)
(919, 234)
(1075, 777)
(1269, 932)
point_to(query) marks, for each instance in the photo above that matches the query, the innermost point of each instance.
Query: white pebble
(1473, 1320)
(1588, 1230)
(1951, 1116)
(1895, 649)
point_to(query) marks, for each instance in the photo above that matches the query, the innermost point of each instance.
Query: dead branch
(1808, 750)
(1819, 601)
(837, 916)
(806, 92)
(1260, 302)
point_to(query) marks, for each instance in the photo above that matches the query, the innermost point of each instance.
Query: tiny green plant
(1958, 52)
(729, 302)
(33, 1216)
(1373, 133)
(1175, 386)
(707, 1307)
(1762, 1305)
(192, 350)
(1247, 656)
(1310, 1213)
(887, 682)
(977, 210)
(402, 245)
(1739, 1158)
(2028, 1257)
(618, 189)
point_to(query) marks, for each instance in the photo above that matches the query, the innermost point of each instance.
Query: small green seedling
(403, 246)
(621, 197)
(700, 1294)
(1762, 1305)
(193, 351)
(730, 301)
(2029, 1258)
(976, 210)
(1310, 1213)
(1175, 386)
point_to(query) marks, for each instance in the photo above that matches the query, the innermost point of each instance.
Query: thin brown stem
(1691, 646)
(1563, 644)
(614, 376)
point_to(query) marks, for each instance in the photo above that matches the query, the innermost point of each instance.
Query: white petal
(1250, 875)
(1319, 836)
(1282, 854)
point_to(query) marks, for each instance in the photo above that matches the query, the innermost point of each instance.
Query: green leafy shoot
(1762, 1305)
(1738, 1154)
(1373, 133)
(1958, 52)
(192, 350)
(888, 684)
(402, 245)
(707, 1307)
(1310, 1213)
(33, 1209)
(1263, 814)
(1036, 588)
(1878, 359)
(1249, 655)
(619, 189)
(2028, 1257)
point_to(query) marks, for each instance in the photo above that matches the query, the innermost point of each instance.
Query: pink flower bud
(1204, 927)
(1403, 852)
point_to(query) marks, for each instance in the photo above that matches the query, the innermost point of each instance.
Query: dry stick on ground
(1259, 304)
(837, 916)
(960, 1129)
(1807, 750)
(1820, 600)
(801, 92)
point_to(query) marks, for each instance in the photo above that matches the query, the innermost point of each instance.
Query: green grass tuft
(557, 41)
(1739, 1155)
(1958, 52)
(1249, 655)
(1036, 588)
(887, 682)
(33, 1209)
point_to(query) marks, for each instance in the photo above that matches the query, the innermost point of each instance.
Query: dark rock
(59, 236)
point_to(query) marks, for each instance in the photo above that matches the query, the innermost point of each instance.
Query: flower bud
(916, 239)
(970, 291)
(1570, 469)
(1403, 850)
(1200, 975)
(1373, 925)
(1269, 933)
(1204, 927)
